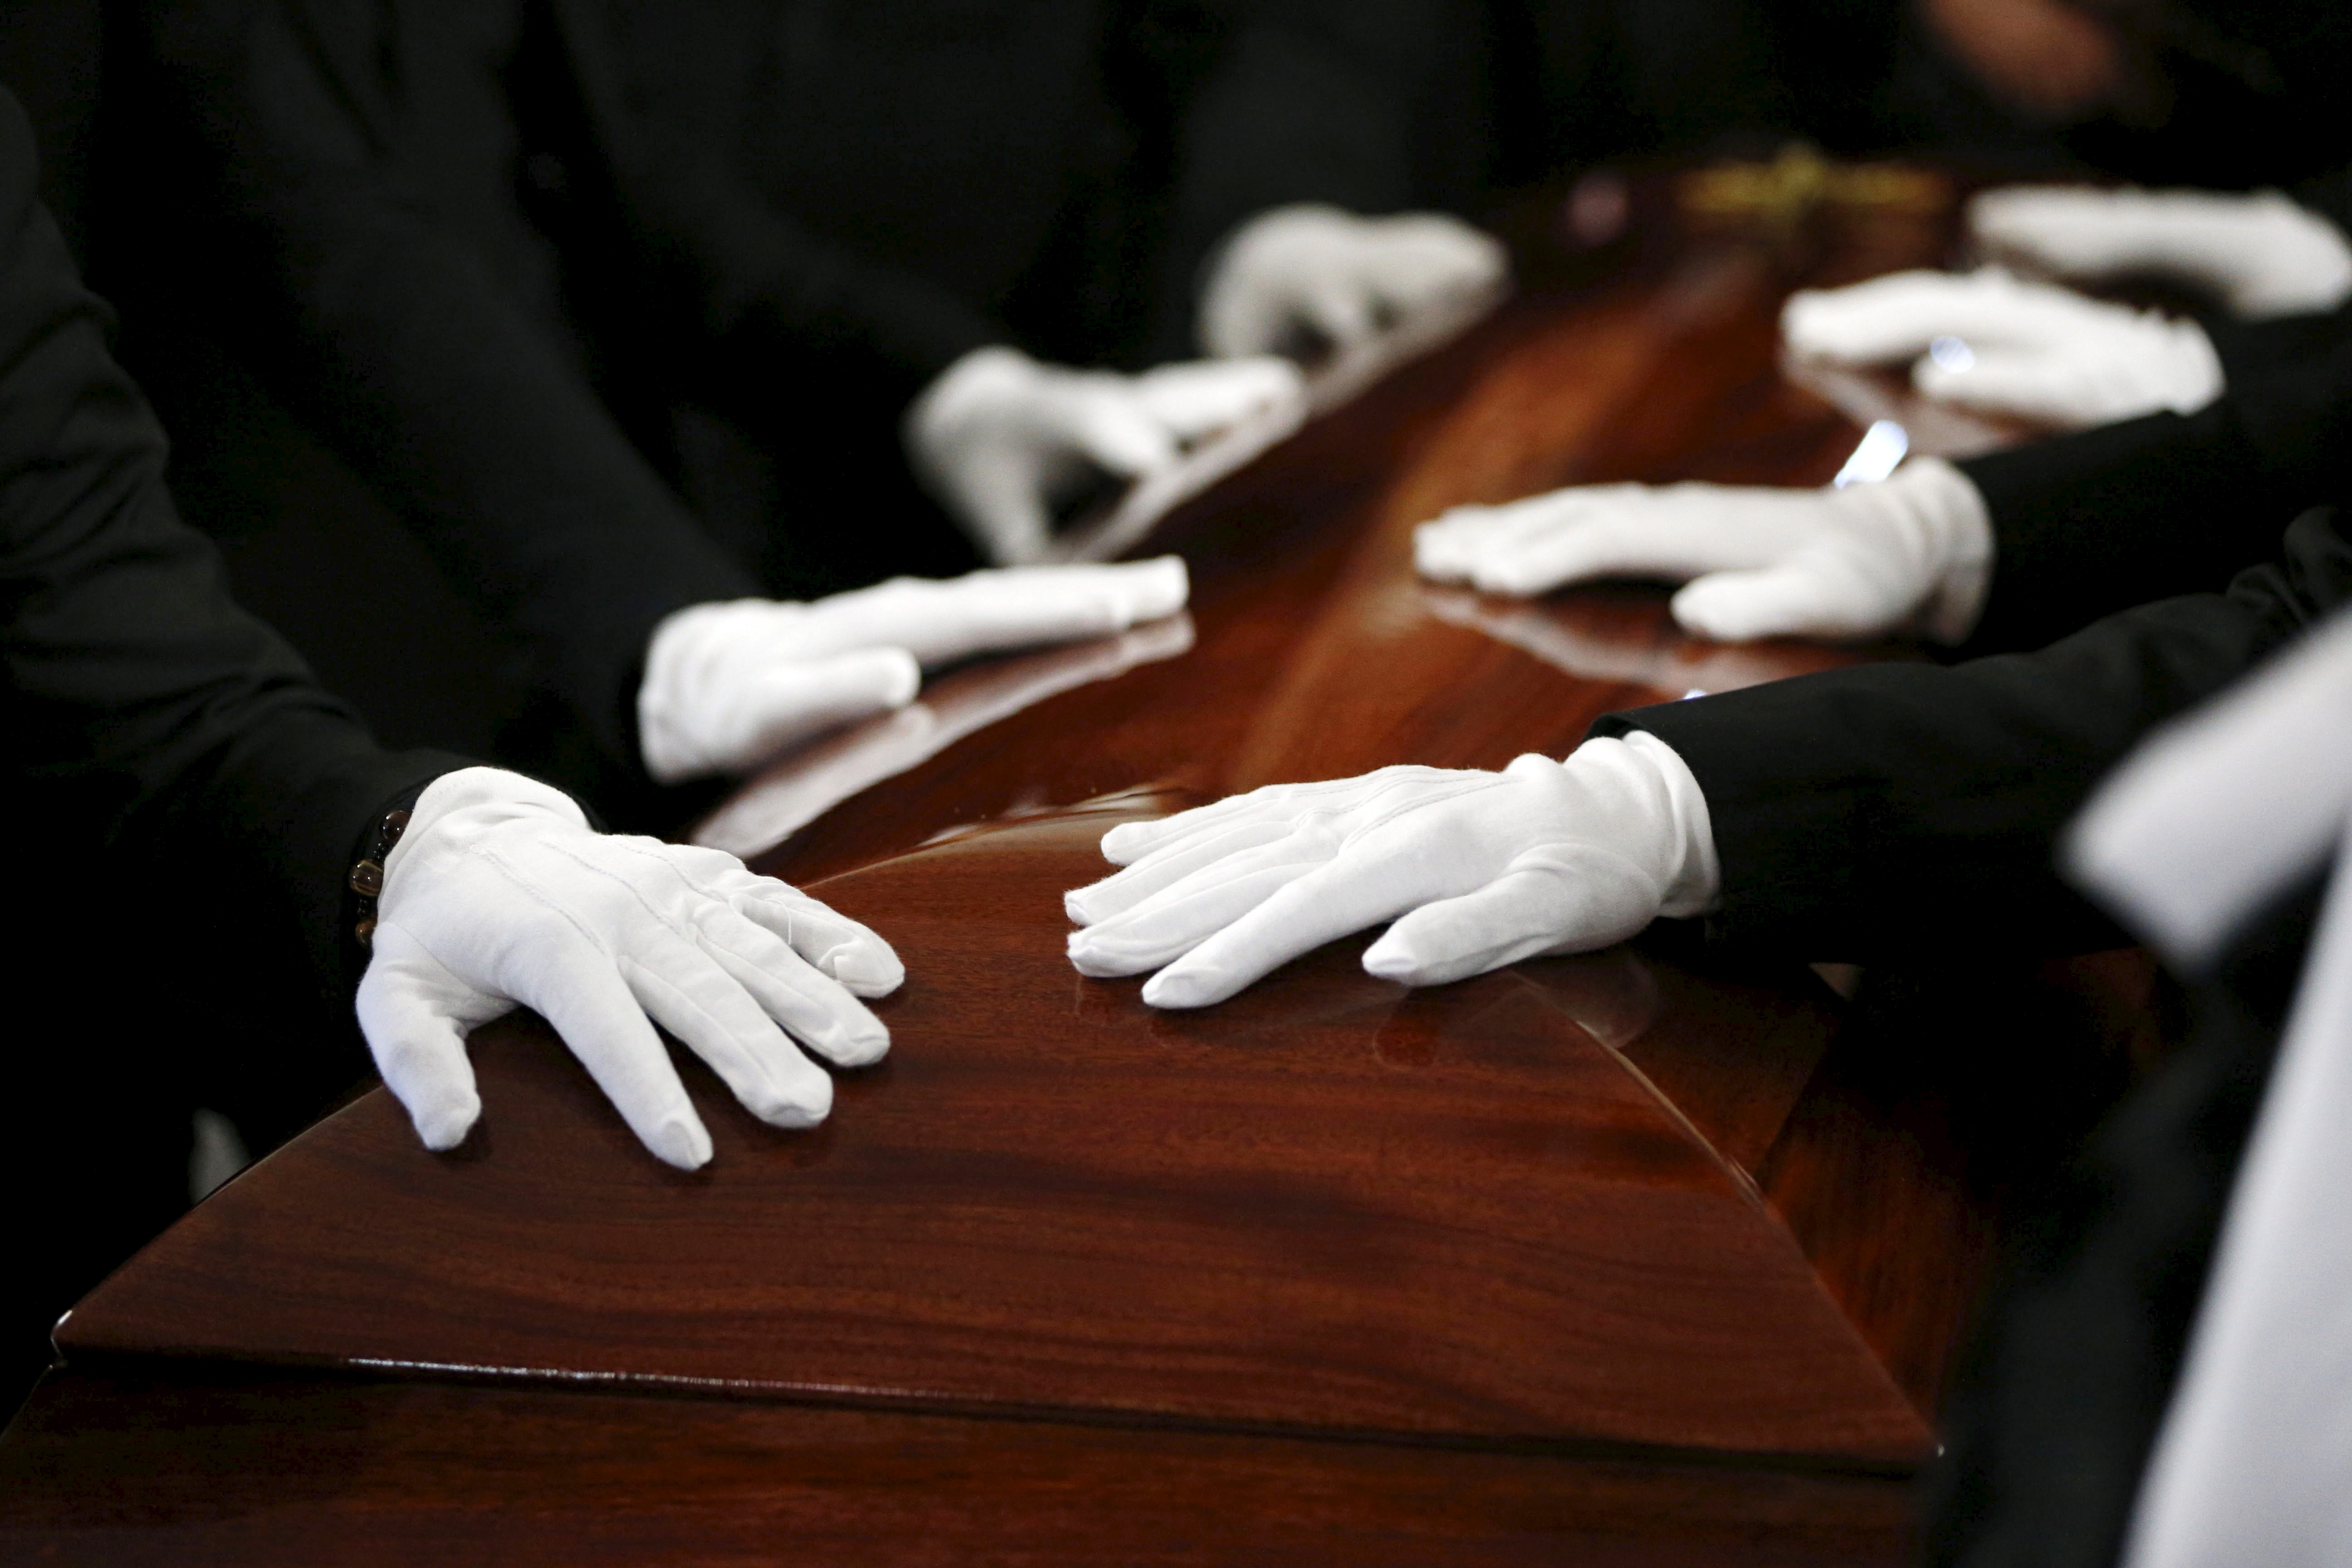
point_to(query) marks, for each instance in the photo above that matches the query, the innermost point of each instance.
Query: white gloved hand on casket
(1316, 270)
(729, 685)
(1991, 341)
(1910, 553)
(1476, 869)
(2262, 254)
(998, 438)
(499, 895)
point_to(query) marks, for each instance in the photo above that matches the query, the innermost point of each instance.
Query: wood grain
(190, 1473)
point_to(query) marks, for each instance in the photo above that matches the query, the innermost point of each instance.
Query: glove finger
(1025, 607)
(1361, 888)
(814, 1009)
(688, 991)
(418, 1043)
(1895, 318)
(1001, 504)
(2030, 385)
(1004, 607)
(1193, 399)
(844, 949)
(787, 703)
(1660, 545)
(1123, 890)
(1116, 432)
(1800, 598)
(1191, 910)
(1469, 537)
(1450, 547)
(1424, 260)
(581, 993)
(1591, 901)
(1242, 323)
(818, 934)
(1130, 843)
(1136, 590)
(2065, 230)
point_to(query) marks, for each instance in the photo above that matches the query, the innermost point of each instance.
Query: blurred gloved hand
(1992, 341)
(728, 686)
(2262, 254)
(1911, 553)
(1477, 870)
(500, 896)
(1321, 271)
(999, 437)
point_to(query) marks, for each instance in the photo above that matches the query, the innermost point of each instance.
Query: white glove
(728, 686)
(1338, 276)
(2262, 254)
(1994, 341)
(998, 438)
(1912, 552)
(499, 896)
(1484, 869)
(802, 787)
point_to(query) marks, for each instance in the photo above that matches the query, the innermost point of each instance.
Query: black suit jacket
(162, 743)
(183, 806)
(547, 270)
(2094, 523)
(1869, 813)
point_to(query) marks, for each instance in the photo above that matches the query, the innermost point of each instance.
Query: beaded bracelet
(367, 876)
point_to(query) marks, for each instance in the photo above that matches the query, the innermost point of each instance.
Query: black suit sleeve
(164, 745)
(2253, 349)
(1866, 812)
(460, 405)
(2093, 523)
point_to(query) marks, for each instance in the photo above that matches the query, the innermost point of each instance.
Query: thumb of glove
(1115, 431)
(416, 1016)
(1807, 599)
(794, 700)
(1564, 898)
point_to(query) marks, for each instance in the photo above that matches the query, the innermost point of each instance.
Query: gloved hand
(998, 437)
(1912, 552)
(1333, 275)
(499, 896)
(2262, 254)
(789, 797)
(1484, 869)
(728, 686)
(1993, 341)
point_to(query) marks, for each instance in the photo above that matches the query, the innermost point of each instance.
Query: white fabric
(2262, 254)
(1911, 552)
(2254, 1464)
(997, 436)
(728, 686)
(805, 786)
(2221, 809)
(500, 896)
(1993, 341)
(1477, 870)
(1317, 269)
